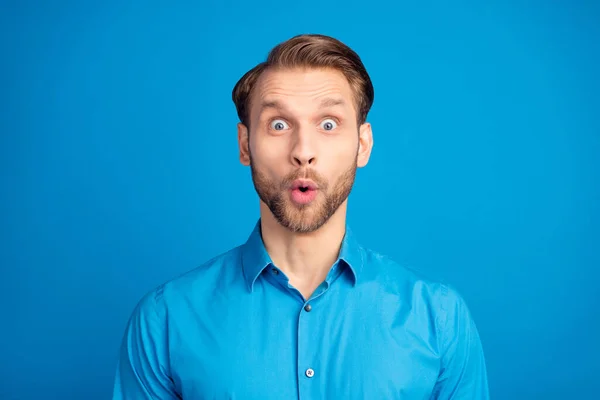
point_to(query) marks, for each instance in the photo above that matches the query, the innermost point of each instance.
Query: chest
(274, 348)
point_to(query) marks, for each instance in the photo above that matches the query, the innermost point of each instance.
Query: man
(301, 310)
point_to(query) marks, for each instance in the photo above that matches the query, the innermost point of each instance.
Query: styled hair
(309, 51)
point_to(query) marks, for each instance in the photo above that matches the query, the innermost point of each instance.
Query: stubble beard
(304, 218)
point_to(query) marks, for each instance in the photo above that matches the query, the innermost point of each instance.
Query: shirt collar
(255, 257)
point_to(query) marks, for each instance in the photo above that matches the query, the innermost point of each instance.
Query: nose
(303, 149)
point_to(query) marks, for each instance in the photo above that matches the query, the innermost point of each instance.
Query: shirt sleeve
(463, 373)
(142, 368)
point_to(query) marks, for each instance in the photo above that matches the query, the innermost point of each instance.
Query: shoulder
(435, 298)
(194, 284)
(411, 281)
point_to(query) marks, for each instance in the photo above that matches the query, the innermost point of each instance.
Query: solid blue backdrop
(120, 170)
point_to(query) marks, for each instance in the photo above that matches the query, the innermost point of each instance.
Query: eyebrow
(332, 102)
(325, 103)
(271, 104)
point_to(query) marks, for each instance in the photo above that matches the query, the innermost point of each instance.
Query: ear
(365, 144)
(243, 144)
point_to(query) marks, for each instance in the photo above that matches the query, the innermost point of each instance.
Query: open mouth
(303, 185)
(303, 191)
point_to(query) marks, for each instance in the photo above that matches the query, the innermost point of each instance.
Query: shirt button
(275, 271)
(310, 372)
(307, 308)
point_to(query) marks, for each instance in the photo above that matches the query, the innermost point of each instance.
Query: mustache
(305, 174)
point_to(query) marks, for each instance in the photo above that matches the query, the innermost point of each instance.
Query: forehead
(305, 87)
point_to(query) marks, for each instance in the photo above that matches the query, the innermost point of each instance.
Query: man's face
(304, 147)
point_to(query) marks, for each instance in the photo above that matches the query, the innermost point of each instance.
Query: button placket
(308, 348)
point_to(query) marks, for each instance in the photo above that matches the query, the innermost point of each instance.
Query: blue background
(119, 170)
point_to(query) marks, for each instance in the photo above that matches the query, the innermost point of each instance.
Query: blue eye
(278, 125)
(328, 124)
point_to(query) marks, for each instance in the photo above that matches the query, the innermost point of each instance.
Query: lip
(305, 183)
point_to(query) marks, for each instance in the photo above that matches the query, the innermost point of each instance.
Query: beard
(303, 218)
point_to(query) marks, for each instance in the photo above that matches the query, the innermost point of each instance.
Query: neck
(305, 258)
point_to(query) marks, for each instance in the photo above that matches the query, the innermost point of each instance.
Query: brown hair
(312, 51)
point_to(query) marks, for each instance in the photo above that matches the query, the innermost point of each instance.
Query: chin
(306, 224)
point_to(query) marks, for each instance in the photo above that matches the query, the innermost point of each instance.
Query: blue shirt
(234, 328)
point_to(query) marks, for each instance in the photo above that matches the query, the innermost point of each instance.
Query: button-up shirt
(235, 328)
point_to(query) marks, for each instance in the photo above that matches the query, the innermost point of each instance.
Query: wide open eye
(278, 125)
(328, 124)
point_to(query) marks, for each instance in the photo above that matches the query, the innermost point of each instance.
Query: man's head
(303, 129)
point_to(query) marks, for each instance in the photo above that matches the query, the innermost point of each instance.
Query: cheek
(339, 159)
(273, 151)
(343, 152)
(267, 155)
